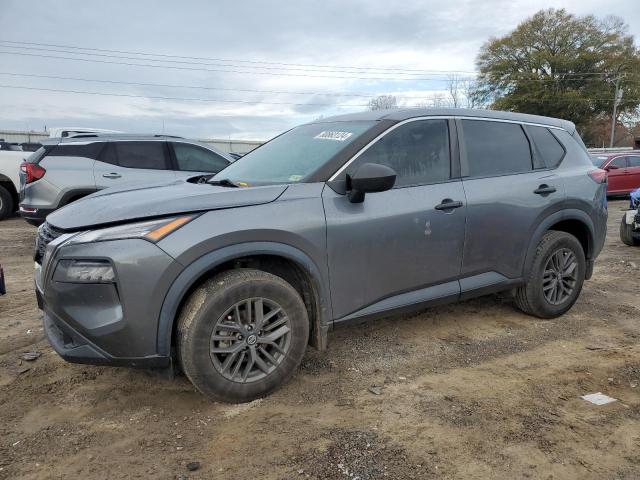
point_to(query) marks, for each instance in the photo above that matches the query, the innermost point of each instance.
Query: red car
(623, 170)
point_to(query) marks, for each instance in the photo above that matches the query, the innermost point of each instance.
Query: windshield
(294, 155)
(598, 160)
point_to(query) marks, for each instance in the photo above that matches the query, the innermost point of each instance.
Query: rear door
(399, 247)
(617, 175)
(192, 159)
(509, 189)
(132, 162)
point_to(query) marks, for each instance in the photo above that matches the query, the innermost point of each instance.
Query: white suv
(66, 169)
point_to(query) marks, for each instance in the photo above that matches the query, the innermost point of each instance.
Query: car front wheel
(556, 276)
(626, 234)
(241, 335)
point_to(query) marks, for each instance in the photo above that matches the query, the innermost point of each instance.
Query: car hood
(137, 202)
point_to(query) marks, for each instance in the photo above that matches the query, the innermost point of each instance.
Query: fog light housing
(84, 271)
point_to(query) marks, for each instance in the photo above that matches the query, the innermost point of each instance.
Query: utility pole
(616, 101)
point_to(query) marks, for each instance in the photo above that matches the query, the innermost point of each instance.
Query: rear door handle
(544, 189)
(448, 204)
(111, 175)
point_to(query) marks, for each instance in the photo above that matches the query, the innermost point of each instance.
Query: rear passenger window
(148, 155)
(547, 146)
(418, 152)
(495, 148)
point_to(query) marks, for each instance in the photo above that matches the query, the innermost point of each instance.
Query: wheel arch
(8, 184)
(285, 261)
(572, 221)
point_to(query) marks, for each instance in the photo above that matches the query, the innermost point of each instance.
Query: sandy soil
(474, 390)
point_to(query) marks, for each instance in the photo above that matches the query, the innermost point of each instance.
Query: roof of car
(401, 114)
(615, 154)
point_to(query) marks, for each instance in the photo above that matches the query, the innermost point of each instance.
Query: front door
(633, 171)
(402, 246)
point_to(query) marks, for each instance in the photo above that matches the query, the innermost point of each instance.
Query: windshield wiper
(224, 182)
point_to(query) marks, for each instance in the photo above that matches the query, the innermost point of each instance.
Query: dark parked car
(343, 219)
(623, 170)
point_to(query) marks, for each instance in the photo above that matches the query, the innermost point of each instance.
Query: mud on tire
(241, 335)
(537, 297)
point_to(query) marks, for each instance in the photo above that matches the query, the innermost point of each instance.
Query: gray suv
(343, 219)
(64, 170)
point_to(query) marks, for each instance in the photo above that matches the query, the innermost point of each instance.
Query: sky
(241, 69)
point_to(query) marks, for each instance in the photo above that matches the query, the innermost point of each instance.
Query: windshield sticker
(330, 135)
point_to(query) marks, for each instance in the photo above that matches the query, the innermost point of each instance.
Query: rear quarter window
(547, 146)
(88, 150)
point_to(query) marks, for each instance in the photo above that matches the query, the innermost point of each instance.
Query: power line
(233, 64)
(565, 100)
(173, 67)
(142, 84)
(129, 52)
(189, 99)
(521, 76)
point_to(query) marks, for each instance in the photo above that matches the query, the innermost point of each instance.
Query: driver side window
(417, 151)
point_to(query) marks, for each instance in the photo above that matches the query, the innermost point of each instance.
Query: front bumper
(107, 323)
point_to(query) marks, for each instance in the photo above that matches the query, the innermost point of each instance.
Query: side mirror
(369, 178)
(612, 167)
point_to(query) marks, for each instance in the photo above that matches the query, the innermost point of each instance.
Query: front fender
(194, 271)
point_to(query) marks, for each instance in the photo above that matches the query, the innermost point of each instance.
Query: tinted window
(197, 159)
(547, 145)
(149, 155)
(417, 151)
(634, 161)
(619, 162)
(88, 150)
(294, 155)
(495, 148)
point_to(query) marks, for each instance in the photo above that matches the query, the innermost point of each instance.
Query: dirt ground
(474, 390)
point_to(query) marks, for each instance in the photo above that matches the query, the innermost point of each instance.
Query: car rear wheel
(556, 276)
(6, 203)
(626, 234)
(241, 335)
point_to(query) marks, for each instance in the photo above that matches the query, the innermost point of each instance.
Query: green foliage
(560, 65)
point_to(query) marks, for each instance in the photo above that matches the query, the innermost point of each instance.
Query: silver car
(66, 169)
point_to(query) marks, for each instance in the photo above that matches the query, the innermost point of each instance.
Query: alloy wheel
(250, 340)
(559, 278)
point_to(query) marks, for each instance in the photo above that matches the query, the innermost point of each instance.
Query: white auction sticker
(337, 136)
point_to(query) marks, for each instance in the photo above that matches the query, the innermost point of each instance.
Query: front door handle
(544, 189)
(448, 204)
(111, 175)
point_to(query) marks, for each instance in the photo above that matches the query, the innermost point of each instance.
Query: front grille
(46, 234)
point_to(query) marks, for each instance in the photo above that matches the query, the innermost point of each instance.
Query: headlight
(151, 230)
(84, 271)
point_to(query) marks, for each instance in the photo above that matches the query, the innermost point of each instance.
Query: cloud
(414, 34)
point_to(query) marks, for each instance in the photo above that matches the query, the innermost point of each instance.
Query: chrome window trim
(433, 117)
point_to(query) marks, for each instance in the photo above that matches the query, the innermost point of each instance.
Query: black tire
(6, 203)
(626, 234)
(199, 325)
(531, 297)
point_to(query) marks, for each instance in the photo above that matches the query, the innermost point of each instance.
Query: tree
(383, 102)
(560, 65)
